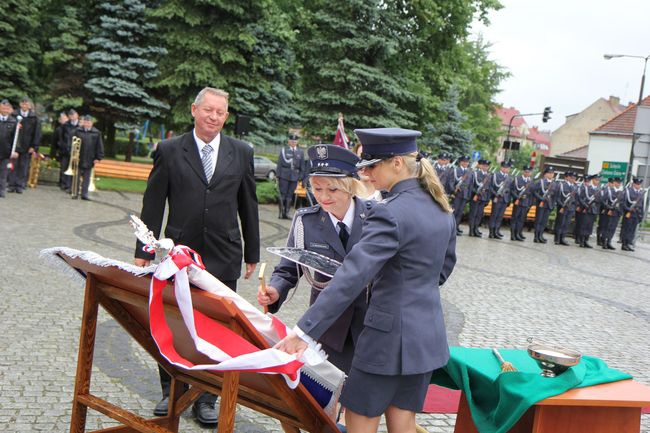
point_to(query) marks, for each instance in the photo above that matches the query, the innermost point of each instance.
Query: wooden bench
(508, 213)
(122, 170)
(607, 408)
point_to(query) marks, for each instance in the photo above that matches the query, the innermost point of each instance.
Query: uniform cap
(383, 143)
(616, 179)
(293, 137)
(331, 161)
(549, 169)
(637, 180)
(443, 155)
(526, 168)
(610, 180)
(570, 174)
(464, 158)
(506, 164)
(483, 162)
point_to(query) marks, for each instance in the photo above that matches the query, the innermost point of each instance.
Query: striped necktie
(206, 160)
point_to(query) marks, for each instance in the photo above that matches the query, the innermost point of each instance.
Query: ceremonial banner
(341, 139)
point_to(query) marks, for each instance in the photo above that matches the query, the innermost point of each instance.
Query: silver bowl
(553, 360)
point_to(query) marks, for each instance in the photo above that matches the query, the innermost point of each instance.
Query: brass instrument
(34, 166)
(73, 167)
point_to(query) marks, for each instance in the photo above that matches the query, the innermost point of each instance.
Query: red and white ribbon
(230, 351)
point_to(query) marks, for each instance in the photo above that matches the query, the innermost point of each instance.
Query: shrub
(267, 192)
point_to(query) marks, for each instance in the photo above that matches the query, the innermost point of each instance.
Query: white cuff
(314, 354)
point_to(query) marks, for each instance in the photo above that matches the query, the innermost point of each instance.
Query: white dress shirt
(216, 141)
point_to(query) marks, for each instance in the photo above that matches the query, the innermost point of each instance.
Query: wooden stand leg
(228, 404)
(85, 357)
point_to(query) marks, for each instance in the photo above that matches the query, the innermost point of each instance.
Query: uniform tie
(206, 160)
(343, 234)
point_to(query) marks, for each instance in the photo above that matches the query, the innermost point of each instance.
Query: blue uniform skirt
(371, 394)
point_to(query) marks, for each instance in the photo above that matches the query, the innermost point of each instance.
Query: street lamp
(645, 63)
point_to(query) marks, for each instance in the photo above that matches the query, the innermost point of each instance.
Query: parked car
(264, 168)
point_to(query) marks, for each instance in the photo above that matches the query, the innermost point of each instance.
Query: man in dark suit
(207, 180)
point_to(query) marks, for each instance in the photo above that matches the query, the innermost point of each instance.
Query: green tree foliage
(241, 47)
(64, 48)
(286, 63)
(19, 50)
(521, 157)
(478, 79)
(120, 65)
(448, 135)
(348, 50)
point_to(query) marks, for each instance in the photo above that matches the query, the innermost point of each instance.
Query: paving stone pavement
(500, 293)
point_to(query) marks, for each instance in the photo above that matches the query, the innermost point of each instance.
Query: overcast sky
(554, 51)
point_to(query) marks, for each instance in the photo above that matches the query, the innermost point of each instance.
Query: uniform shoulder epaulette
(307, 210)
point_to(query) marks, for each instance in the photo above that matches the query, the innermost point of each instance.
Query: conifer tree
(64, 38)
(448, 135)
(120, 66)
(19, 51)
(349, 52)
(240, 47)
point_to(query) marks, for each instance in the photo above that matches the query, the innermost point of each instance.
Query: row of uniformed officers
(379, 318)
(24, 126)
(583, 201)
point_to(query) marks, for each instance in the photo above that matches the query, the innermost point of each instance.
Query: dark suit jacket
(203, 216)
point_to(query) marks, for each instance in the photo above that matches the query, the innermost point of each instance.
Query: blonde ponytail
(428, 179)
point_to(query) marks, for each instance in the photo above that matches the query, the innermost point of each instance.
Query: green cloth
(497, 400)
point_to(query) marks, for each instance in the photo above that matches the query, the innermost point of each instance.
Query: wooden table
(608, 408)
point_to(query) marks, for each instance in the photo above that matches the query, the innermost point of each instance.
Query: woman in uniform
(329, 228)
(406, 251)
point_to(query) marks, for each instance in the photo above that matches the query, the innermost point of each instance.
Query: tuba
(73, 167)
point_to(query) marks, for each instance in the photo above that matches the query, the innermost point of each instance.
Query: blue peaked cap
(332, 161)
(382, 143)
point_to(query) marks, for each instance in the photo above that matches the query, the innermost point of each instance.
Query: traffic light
(547, 114)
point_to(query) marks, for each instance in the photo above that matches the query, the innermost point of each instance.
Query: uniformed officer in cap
(605, 194)
(8, 125)
(442, 166)
(500, 195)
(522, 200)
(566, 206)
(480, 196)
(29, 138)
(587, 209)
(610, 213)
(631, 204)
(330, 228)
(406, 250)
(458, 186)
(291, 163)
(544, 197)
